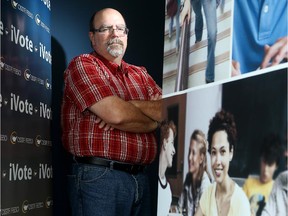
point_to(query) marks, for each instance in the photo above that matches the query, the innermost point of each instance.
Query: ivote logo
(20, 105)
(23, 40)
(20, 173)
(24, 172)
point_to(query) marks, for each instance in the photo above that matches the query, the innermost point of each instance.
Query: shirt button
(266, 9)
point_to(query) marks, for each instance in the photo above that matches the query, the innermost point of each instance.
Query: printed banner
(26, 114)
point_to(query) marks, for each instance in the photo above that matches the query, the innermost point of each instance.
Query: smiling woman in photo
(197, 179)
(224, 197)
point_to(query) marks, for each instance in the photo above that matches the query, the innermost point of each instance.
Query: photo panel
(250, 36)
(260, 35)
(258, 105)
(197, 43)
(173, 110)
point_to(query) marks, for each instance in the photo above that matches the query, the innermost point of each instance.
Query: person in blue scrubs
(260, 35)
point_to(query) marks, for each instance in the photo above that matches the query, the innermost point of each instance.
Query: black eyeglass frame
(102, 29)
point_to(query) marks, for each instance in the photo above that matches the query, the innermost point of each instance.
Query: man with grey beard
(110, 111)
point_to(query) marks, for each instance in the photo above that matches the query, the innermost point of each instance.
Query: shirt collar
(113, 67)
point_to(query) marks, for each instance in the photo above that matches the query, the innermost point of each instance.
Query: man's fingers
(98, 120)
(276, 53)
(102, 124)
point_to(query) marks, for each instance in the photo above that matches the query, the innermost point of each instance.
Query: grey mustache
(115, 41)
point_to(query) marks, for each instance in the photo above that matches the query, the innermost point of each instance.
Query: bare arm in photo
(199, 212)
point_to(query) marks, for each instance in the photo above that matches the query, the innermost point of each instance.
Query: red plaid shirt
(90, 78)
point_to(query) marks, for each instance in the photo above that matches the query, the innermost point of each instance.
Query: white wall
(202, 104)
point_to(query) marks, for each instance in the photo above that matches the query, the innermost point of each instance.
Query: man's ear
(91, 34)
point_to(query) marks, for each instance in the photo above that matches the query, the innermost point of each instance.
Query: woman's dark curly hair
(223, 121)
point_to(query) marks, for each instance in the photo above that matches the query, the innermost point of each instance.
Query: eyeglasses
(121, 30)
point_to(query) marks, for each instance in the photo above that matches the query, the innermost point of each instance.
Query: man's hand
(276, 53)
(156, 97)
(185, 12)
(103, 124)
(151, 108)
(235, 68)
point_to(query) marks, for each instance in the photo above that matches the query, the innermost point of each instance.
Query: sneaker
(209, 81)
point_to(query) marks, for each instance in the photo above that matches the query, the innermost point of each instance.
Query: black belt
(129, 168)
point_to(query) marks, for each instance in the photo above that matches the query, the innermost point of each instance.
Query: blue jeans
(196, 5)
(96, 190)
(209, 7)
(177, 27)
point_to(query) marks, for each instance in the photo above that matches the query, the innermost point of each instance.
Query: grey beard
(115, 52)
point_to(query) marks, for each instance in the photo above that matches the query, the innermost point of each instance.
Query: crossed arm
(133, 116)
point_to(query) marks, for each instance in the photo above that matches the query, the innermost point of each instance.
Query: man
(278, 200)
(260, 35)
(259, 188)
(168, 134)
(110, 110)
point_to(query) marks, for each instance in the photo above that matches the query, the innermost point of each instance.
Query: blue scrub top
(256, 23)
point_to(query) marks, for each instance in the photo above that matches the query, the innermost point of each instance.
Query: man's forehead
(109, 17)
